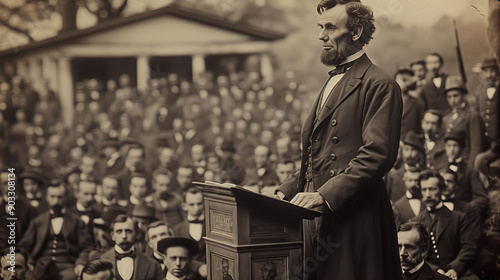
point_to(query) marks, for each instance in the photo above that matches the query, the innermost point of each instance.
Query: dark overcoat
(353, 144)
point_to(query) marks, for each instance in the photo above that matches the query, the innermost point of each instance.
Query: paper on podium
(259, 201)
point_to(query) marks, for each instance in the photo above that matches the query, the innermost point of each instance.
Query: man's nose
(322, 35)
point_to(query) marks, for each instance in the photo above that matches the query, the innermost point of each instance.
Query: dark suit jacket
(433, 97)
(24, 213)
(426, 273)
(403, 211)
(470, 187)
(470, 122)
(395, 184)
(455, 247)
(354, 143)
(437, 154)
(144, 267)
(269, 177)
(172, 214)
(182, 229)
(413, 111)
(74, 232)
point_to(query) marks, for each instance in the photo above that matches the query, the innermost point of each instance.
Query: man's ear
(183, 205)
(357, 32)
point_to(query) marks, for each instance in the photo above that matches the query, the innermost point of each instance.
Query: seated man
(129, 263)
(469, 186)
(13, 264)
(178, 252)
(414, 245)
(85, 205)
(454, 250)
(98, 269)
(194, 226)
(58, 236)
(166, 202)
(154, 233)
(410, 205)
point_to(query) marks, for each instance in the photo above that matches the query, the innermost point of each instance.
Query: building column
(198, 66)
(49, 72)
(65, 89)
(266, 67)
(21, 68)
(142, 72)
(35, 74)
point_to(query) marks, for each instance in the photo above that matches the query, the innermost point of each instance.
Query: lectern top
(258, 201)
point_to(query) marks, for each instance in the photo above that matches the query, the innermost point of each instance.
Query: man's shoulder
(429, 273)
(401, 202)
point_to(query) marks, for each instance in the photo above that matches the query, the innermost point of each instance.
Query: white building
(169, 39)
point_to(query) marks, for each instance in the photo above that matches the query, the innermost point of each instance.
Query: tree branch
(16, 29)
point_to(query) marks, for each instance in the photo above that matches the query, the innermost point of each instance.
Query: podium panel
(250, 235)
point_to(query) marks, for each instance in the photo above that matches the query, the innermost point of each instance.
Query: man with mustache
(414, 244)
(13, 264)
(350, 140)
(129, 263)
(453, 250)
(433, 91)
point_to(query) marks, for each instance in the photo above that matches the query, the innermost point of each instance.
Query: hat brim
(178, 241)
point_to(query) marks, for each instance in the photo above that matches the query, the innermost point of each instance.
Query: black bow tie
(340, 69)
(56, 215)
(130, 254)
(196, 222)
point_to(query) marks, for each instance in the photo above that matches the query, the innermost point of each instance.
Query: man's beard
(335, 56)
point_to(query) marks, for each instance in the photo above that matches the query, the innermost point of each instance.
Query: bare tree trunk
(68, 9)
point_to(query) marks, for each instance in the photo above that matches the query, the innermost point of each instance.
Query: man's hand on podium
(308, 199)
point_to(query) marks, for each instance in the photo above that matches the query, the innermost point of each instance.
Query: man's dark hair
(54, 183)
(192, 190)
(6, 251)
(138, 175)
(435, 113)
(158, 224)
(416, 62)
(403, 71)
(165, 172)
(122, 218)
(357, 14)
(448, 171)
(114, 177)
(425, 243)
(429, 173)
(94, 266)
(441, 61)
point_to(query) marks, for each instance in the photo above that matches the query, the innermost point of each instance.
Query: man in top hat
(178, 252)
(128, 262)
(58, 236)
(453, 250)
(432, 91)
(414, 245)
(463, 118)
(469, 186)
(413, 108)
(413, 156)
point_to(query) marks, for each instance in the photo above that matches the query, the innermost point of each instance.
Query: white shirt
(437, 81)
(172, 277)
(81, 208)
(332, 82)
(196, 229)
(490, 92)
(125, 266)
(57, 222)
(429, 143)
(415, 204)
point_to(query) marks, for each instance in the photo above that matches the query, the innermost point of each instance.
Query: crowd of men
(113, 195)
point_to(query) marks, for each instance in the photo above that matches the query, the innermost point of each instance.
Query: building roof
(172, 9)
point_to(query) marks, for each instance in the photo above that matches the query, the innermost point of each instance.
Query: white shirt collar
(134, 200)
(172, 277)
(119, 250)
(416, 268)
(353, 57)
(200, 218)
(437, 207)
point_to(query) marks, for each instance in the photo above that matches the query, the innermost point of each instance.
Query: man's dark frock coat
(353, 145)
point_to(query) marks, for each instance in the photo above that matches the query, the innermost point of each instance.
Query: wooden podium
(252, 236)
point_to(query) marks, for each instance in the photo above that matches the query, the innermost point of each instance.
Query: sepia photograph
(311, 139)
